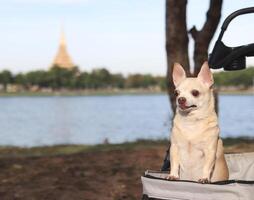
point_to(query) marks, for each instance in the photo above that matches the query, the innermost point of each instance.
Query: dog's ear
(178, 74)
(205, 75)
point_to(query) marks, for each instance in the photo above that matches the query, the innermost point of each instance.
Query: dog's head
(192, 93)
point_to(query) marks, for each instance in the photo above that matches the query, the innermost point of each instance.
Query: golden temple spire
(62, 38)
(63, 58)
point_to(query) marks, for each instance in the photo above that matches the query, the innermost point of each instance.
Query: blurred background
(110, 57)
(91, 76)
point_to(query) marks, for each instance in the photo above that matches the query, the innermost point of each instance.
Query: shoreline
(68, 149)
(107, 93)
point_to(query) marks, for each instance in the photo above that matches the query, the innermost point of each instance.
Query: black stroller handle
(232, 16)
(230, 58)
(235, 14)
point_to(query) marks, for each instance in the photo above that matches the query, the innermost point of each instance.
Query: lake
(37, 121)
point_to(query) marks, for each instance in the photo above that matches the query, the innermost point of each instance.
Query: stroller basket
(239, 186)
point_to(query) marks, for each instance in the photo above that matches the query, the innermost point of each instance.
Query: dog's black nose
(181, 100)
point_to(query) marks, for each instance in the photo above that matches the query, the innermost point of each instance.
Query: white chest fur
(192, 139)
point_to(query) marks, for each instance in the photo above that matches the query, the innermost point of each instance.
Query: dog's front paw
(203, 180)
(172, 177)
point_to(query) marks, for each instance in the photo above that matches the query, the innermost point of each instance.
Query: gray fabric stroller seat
(240, 185)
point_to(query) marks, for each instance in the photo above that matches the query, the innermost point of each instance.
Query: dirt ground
(101, 173)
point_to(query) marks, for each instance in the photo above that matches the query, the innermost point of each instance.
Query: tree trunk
(176, 41)
(177, 38)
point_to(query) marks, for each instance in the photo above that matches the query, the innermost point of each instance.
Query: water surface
(36, 121)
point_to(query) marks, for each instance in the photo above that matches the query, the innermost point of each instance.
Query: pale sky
(124, 36)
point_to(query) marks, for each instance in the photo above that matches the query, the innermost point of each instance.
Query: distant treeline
(58, 78)
(243, 78)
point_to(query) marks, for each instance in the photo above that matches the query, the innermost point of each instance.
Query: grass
(238, 140)
(42, 151)
(10, 151)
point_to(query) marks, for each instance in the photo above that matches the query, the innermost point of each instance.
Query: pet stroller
(240, 185)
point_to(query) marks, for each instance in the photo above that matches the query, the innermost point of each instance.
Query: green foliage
(20, 79)
(37, 78)
(118, 81)
(5, 78)
(58, 78)
(100, 78)
(161, 82)
(235, 78)
(140, 81)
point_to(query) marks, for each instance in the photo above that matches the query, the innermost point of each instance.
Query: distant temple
(63, 58)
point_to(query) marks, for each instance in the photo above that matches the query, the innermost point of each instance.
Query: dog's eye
(195, 93)
(176, 93)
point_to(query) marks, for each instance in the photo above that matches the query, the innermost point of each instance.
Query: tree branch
(212, 20)
(194, 32)
(203, 37)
